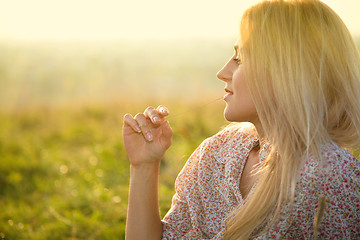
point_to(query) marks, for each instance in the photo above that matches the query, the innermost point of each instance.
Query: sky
(107, 20)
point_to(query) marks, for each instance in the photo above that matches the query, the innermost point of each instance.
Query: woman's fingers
(167, 133)
(163, 111)
(130, 121)
(153, 115)
(139, 124)
(143, 123)
(157, 116)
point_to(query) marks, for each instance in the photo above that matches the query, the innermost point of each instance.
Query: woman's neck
(260, 133)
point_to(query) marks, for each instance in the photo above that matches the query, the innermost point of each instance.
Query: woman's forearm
(143, 217)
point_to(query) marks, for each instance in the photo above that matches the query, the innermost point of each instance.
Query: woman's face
(239, 104)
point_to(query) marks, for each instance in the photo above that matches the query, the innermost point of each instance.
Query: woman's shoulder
(235, 132)
(341, 162)
(230, 142)
(335, 159)
(338, 168)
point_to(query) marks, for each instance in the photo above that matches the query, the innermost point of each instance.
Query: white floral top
(207, 190)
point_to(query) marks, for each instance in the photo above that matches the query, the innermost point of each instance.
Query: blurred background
(69, 71)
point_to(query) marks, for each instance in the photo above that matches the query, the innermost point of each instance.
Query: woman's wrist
(145, 169)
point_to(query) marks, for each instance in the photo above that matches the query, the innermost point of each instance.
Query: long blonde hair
(303, 72)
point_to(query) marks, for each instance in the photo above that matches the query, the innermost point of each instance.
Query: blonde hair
(303, 72)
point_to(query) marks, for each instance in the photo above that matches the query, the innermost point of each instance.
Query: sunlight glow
(93, 20)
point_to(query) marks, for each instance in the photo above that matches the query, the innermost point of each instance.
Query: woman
(295, 76)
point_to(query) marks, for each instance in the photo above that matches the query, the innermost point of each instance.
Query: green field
(64, 172)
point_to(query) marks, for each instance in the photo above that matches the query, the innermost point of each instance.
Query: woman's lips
(230, 93)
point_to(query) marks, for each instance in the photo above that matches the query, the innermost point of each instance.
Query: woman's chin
(229, 116)
(236, 116)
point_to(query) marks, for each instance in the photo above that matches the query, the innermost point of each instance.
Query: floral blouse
(207, 190)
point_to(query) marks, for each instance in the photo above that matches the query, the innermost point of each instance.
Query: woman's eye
(237, 60)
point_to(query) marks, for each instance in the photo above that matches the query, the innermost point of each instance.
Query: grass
(64, 172)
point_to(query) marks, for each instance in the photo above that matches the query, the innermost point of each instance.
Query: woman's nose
(225, 74)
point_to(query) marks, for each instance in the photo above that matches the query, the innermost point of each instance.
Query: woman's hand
(147, 136)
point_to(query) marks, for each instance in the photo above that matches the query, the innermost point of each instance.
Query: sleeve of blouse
(179, 223)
